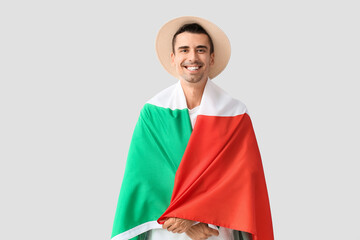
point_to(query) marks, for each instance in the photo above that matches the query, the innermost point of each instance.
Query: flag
(212, 174)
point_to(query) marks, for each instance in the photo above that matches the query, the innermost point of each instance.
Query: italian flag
(211, 174)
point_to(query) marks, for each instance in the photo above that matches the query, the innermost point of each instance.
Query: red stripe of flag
(220, 179)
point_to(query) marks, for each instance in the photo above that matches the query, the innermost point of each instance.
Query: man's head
(184, 28)
(192, 53)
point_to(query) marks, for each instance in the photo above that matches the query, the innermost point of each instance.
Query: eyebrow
(199, 46)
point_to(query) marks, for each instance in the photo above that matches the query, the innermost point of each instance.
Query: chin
(193, 79)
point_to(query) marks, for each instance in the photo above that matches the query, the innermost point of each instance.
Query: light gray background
(75, 74)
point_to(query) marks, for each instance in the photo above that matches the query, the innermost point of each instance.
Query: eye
(201, 50)
(183, 50)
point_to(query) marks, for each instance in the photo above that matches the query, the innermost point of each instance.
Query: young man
(194, 169)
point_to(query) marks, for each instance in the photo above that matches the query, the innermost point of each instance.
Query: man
(193, 170)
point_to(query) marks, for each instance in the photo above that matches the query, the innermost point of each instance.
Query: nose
(192, 56)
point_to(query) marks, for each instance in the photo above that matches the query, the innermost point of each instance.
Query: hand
(177, 225)
(201, 231)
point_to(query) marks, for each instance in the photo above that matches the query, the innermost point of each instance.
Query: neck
(193, 92)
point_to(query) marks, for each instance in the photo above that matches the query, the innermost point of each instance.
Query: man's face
(191, 57)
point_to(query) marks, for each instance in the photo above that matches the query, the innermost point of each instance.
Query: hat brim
(163, 44)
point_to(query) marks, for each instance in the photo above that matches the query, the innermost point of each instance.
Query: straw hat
(221, 43)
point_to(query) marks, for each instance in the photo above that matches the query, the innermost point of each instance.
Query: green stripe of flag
(156, 149)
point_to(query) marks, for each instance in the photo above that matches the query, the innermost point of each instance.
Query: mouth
(193, 68)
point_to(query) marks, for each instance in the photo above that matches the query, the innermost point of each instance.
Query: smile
(192, 68)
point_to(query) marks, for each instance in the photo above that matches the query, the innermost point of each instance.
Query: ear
(212, 59)
(172, 55)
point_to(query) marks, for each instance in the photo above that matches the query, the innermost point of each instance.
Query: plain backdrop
(75, 74)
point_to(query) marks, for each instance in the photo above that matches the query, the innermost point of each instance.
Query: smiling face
(191, 57)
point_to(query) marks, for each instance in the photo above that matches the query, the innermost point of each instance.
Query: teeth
(193, 68)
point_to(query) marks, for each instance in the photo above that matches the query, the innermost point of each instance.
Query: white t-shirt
(193, 114)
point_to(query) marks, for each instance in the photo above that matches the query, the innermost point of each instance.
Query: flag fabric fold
(212, 174)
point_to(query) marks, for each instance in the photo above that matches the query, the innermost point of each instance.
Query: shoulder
(160, 99)
(220, 103)
(169, 97)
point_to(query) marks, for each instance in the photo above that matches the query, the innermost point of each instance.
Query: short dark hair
(192, 28)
